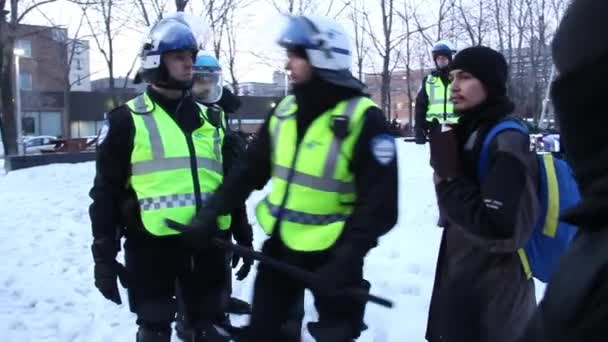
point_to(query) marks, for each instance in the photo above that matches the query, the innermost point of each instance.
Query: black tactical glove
(106, 276)
(200, 232)
(246, 267)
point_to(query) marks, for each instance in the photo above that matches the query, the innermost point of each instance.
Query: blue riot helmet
(208, 79)
(443, 48)
(327, 47)
(172, 33)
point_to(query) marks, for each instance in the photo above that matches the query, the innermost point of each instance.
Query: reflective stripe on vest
(321, 186)
(158, 162)
(170, 201)
(162, 171)
(304, 218)
(440, 106)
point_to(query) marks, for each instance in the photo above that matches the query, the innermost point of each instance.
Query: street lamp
(18, 53)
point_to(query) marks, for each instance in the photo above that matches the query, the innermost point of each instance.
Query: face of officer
(442, 61)
(467, 91)
(202, 87)
(179, 64)
(299, 68)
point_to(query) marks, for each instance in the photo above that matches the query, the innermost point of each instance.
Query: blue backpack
(557, 192)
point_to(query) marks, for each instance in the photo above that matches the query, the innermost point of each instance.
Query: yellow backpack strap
(552, 216)
(525, 263)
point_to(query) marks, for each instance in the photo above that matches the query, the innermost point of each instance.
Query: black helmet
(443, 49)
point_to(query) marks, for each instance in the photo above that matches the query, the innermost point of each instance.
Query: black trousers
(160, 268)
(278, 297)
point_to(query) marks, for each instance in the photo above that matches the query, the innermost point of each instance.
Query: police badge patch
(383, 148)
(103, 133)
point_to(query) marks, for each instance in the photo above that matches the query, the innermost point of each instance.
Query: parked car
(36, 144)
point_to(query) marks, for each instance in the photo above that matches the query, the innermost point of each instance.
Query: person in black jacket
(433, 102)
(207, 89)
(318, 58)
(574, 306)
(481, 292)
(158, 263)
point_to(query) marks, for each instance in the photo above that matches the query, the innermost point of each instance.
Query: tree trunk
(7, 42)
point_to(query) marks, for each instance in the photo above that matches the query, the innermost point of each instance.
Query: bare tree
(408, 16)
(150, 10)
(216, 13)
(107, 20)
(297, 7)
(8, 34)
(473, 20)
(231, 51)
(357, 18)
(388, 48)
(438, 21)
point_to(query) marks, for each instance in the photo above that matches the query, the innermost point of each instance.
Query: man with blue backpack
(486, 181)
(574, 307)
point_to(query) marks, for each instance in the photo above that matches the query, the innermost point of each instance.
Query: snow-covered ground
(46, 275)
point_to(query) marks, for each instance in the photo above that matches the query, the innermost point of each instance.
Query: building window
(28, 123)
(25, 80)
(59, 35)
(26, 46)
(42, 123)
(78, 66)
(78, 80)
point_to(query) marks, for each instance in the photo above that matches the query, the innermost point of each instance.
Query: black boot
(212, 333)
(239, 307)
(180, 328)
(145, 335)
(335, 332)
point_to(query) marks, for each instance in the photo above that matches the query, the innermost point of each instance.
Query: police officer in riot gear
(163, 156)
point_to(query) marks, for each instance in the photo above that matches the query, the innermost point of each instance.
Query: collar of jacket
(483, 117)
(316, 97)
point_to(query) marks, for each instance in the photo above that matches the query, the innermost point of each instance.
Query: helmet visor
(207, 86)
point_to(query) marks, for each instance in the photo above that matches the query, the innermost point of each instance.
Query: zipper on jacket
(445, 102)
(194, 169)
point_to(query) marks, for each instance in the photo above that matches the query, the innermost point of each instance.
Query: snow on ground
(46, 277)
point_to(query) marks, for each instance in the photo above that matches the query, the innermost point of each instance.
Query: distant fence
(22, 162)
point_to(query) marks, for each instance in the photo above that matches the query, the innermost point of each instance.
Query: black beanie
(485, 64)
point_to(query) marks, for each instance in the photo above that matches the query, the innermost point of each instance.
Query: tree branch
(31, 8)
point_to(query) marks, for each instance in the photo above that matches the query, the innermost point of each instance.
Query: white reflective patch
(383, 148)
(103, 133)
(493, 204)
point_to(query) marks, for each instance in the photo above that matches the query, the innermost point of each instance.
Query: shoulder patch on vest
(383, 148)
(103, 133)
